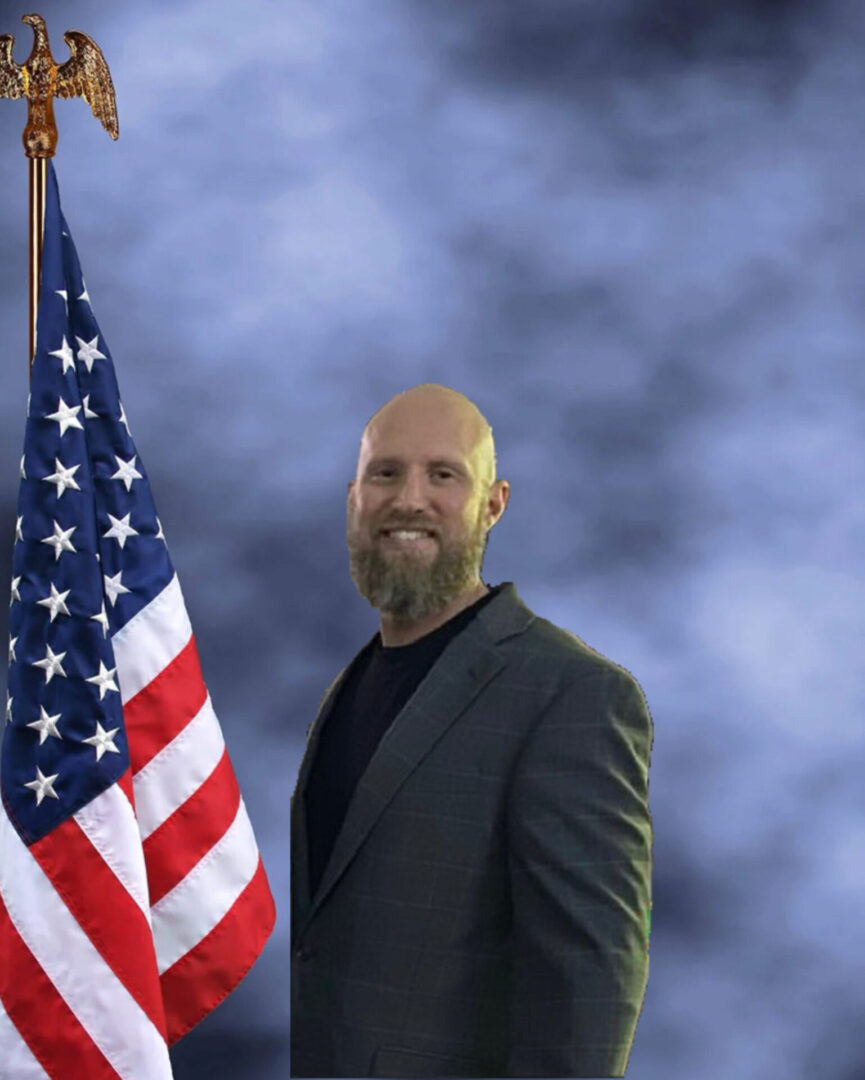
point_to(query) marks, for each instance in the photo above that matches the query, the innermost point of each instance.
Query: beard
(410, 585)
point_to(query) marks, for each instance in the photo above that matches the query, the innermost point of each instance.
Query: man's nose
(412, 491)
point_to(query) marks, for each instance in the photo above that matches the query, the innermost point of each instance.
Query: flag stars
(87, 351)
(42, 785)
(16, 595)
(23, 474)
(120, 529)
(123, 420)
(85, 295)
(51, 665)
(104, 679)
(114, 587)
(65, 354)
(160, 535)
(9, 700)
(55, 602)
(60, 540)
(46, 725)
(89, 414)
(66, 416)
(18, 534)
(12, 641)
(127, 471)
(63, 293)
(103, 740)
(63, 477)
(102, 619)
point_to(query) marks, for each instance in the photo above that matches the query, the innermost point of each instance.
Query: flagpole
(38, 172)
(39, 79)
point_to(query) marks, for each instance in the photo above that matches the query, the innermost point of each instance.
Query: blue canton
(89, 554)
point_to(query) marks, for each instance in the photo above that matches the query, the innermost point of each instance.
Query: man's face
(414, 472)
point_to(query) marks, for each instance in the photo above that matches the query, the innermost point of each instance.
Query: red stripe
(172, 850)
(105, 911)
(124, 782)
(164, 707)
(43, 1019)
(205, 975)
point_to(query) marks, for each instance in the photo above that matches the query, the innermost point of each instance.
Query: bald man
(471, 840)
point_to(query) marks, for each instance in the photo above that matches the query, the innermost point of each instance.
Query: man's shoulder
(565, 668)
(548, 646)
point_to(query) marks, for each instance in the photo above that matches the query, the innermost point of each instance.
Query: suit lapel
(465, 666)
(299, 837)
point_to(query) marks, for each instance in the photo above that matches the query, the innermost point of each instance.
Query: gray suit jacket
(485, 908)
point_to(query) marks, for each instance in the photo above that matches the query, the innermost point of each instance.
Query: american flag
(133, 898)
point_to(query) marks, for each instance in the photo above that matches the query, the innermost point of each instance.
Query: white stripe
(16, 1057)
(101, 1003)
(108, 822)
(178, 770)
(197, 903)
(151, 640)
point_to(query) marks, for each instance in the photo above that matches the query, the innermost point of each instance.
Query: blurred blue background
(632, 234)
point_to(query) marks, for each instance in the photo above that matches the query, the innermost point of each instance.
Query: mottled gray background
(633, 234)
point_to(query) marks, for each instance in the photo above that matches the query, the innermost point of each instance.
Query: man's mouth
(406, 537)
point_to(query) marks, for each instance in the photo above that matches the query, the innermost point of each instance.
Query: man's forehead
(418, 437)
(404, 433)
(425, 415)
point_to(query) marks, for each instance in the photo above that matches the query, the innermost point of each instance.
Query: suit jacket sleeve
(580, 863)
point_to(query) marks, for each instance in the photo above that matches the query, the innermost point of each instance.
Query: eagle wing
(12, 83)
(85, 74)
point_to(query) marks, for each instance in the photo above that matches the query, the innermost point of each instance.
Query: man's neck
(393, 632)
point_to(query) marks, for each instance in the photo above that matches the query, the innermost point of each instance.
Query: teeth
(404, 534)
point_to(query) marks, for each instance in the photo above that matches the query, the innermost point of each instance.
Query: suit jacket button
(301, 953)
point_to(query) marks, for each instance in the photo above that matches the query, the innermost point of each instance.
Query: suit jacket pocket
(394, 1061)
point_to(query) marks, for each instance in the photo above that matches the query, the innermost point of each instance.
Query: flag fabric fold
(133, 897)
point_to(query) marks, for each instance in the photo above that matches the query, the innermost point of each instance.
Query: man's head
(427, 460)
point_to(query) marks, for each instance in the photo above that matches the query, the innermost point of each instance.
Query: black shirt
(378, 684)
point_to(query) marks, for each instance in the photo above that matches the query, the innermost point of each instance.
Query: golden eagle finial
(39, 79)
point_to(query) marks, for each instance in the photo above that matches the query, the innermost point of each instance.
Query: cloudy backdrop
(632, 233)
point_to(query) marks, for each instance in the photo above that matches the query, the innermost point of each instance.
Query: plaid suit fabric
(483, 911)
